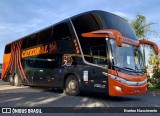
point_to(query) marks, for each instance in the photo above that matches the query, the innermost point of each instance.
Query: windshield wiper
(129, 69)
(140, 70)
(119, 69)
(124, 68)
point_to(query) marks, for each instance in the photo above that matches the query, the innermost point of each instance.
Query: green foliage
(151, 59)
(141, 27)
(151, 82)
(156, 75)
(155, 62)
(158, 85)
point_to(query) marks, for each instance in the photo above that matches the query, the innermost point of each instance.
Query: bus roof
(72, 17)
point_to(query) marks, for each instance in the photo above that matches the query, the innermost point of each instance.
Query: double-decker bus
(94, 51)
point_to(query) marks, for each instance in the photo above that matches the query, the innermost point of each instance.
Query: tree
(142, 29)
(154, 60)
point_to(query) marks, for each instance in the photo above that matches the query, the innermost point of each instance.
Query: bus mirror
(118, 37)
(107, 33)
(155, 47)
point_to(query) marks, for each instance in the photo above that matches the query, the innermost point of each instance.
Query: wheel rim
(72, 86)
(11, 79)
(16, 79)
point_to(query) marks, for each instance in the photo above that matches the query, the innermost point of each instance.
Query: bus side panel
(12, 62)
(94, 82)
(6, 60)
(18, 65)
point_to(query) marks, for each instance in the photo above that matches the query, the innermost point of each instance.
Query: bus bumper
(119, 89)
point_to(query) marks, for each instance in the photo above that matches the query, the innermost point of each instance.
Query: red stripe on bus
(19, 59)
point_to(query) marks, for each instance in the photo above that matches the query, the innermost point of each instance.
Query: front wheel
(17, 81)
(72, 86)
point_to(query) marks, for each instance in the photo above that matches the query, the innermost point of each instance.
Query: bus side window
(33, 40)
(8, 49)
(86, 23)
(45, 36)
(30, 62)
(62, 35)
(24, 43)
(61, 32)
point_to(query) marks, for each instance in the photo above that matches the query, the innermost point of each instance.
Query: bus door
(98, 81)
(99, 58)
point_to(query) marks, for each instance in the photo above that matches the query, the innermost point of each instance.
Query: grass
(154, 90)
(151, 89)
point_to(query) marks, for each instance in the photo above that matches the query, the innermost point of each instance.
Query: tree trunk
(144, 58)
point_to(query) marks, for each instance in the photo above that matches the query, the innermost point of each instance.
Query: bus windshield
(128, 57)
(117, 23)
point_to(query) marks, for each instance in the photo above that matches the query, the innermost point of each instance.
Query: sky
(19, 18)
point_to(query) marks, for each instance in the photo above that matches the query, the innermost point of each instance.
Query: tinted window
(44, 61)
(114, 22)
(8, 49)
(94, 50)
(61, 31)
(24, 43)
(65, 46)
(64, 40)
(86, 23)
(45, 36)
(32, 41)
(0, 66)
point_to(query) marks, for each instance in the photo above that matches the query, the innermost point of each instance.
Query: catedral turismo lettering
(35, 51)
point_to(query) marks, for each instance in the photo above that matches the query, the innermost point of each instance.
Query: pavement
(26, 96)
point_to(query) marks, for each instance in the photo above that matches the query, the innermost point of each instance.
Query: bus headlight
(118, 88)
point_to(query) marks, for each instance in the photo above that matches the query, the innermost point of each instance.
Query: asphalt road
(25, 96)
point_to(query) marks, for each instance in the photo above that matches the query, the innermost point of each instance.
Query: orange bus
(94, 51)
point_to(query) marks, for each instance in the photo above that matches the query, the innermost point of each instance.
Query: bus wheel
(11, 81)
(17, 81)
(72, 86)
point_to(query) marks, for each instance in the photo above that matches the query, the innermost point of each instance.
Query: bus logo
(50, 48)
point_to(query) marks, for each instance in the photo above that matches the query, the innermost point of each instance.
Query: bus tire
(11, 81)
(72, 86)
(17, 81)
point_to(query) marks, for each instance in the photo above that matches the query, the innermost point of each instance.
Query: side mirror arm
(107, 33)
(155, 47)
